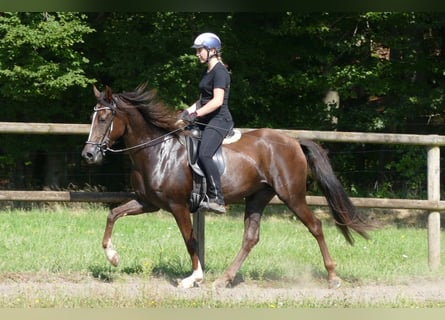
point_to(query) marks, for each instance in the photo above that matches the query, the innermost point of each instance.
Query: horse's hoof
(187, 283)
(335, 283)
(112, 257)
(115, 260)
(221, 284)
(180, 283)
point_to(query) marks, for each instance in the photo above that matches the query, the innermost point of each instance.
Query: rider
(212, 112)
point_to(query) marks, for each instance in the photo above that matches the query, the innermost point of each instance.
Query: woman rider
(212, 112)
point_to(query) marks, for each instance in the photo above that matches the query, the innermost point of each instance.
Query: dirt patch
(33, 289)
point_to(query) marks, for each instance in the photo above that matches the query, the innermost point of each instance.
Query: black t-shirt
(218, 77)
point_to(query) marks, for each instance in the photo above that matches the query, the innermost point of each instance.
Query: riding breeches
(212, 137)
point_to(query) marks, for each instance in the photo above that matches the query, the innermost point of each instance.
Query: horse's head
(106, 127)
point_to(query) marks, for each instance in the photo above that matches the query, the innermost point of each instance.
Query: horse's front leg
(132, 207)
(194, 279)
(183, 219)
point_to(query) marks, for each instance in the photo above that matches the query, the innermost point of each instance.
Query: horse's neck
(139, 132)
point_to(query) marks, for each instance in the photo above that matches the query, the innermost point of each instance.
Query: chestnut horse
(262, 164)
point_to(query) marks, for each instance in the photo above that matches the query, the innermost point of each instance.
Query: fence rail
(432, 204)
(333, 136)
(81, 196)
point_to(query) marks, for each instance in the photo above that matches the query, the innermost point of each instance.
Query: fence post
(199, 231)
(434, 216)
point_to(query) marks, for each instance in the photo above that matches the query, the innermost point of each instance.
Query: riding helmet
(208, 41)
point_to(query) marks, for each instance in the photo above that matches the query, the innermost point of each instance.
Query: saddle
(192, 141)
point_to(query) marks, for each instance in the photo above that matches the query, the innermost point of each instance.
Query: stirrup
(207, 205)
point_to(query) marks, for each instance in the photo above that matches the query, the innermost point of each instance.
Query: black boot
(215, 201)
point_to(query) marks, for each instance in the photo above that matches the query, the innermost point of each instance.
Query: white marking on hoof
(111, 254)
(193, 280)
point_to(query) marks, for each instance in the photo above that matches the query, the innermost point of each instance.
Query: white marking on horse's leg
(194, 279)
(111, 254)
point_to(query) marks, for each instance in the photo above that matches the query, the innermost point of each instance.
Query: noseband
(105, 140)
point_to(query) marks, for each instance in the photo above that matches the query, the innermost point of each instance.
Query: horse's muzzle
(92, 154)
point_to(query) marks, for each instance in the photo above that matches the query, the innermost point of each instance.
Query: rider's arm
(213, 104)
(194, 106)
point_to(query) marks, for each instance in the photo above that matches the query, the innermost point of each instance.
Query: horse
(262, 164)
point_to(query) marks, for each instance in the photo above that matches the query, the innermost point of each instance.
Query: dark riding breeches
(212, 137)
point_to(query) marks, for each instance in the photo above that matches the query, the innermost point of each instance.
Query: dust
(42, 286)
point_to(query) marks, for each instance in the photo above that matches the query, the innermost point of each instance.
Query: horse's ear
(96, 92)
(108, 93)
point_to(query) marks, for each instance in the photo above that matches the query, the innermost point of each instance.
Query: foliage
(387, 67)
(42, 67)
(40, 56)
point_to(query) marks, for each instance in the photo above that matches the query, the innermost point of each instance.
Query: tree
(40, 56)
(41, 71)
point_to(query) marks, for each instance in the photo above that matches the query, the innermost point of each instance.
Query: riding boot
(215, 201)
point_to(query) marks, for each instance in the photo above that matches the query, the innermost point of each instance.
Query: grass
(67, 240)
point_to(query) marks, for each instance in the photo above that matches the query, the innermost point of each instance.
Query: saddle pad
(233, 136)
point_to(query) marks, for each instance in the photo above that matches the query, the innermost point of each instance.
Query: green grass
(69, 240)
(65, 240)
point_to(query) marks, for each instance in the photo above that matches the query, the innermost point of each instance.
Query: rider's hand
(187, 116)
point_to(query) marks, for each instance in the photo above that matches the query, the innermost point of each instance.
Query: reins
(155, 141)
(150, 143)
(103, 144)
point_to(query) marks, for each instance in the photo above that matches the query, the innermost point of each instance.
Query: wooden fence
(433, 203)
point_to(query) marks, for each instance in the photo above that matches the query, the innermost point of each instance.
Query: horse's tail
(345, 214)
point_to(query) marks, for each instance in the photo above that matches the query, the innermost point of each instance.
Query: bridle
(102, 145)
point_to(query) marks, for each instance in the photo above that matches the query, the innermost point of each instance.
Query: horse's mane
(151, 107)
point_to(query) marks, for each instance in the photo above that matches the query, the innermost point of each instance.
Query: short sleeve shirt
(218, 77)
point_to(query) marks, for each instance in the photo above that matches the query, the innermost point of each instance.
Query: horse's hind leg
(252, 217)
(300, 208)
(132, 207)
